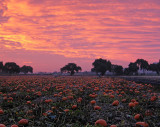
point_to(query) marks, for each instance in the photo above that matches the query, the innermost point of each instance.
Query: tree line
(13, 68)
(100, 66)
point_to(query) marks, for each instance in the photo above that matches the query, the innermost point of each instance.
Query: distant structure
(147, 72)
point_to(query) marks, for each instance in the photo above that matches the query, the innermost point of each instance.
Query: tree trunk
(72, 73)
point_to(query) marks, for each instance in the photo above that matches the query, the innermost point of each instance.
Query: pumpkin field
(47, 101)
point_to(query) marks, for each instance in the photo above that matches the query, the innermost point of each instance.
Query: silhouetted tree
(1, 66)
(101, 66)
(155, 67)
(71, 68)
(142, 64)
(158, 66)
(126, 71)
(11, 67)
(25, 69)
(133, 68)
(117, 69)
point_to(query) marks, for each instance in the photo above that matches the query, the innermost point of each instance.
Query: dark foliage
(11, 67)
(1, 66)
(155, 67)
(101, 66)
(142, 64)
(25, 69)
(126, 71)
(133, 68)
(117, 69)
(71, 68)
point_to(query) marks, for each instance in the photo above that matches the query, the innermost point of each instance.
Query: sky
(48, 34)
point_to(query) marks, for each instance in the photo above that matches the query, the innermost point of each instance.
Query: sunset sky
(47, 34)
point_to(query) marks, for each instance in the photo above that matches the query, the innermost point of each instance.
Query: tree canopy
(117, 69)
(71, 68)
(142, 64)
(101, 66)
(126, 71)
(133, 68)
(11, 67)
(155, 67)
(1, 66)
(25, 69)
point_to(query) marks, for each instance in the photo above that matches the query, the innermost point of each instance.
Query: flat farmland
(47, 101)
(149, 79)
(154, 80)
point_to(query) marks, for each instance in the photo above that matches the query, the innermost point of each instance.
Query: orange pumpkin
(97, 107)
(131, 104)
(28, 102)
(49, 100)
(1, 111)
(79, 99)
(93, 102)
(45, 114)
(153, 98)
(70, 97)
(133, 100)
(66, 110)
(23, 122)
(14, 125)
(101, 122)
(137, 116)
(2, 125)
(143, 124)
(64, 98)
(136, 103)
(74, 106)
(49, 111)
(115, 103)
(111, 96)
(113, 126)
(124, 100)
